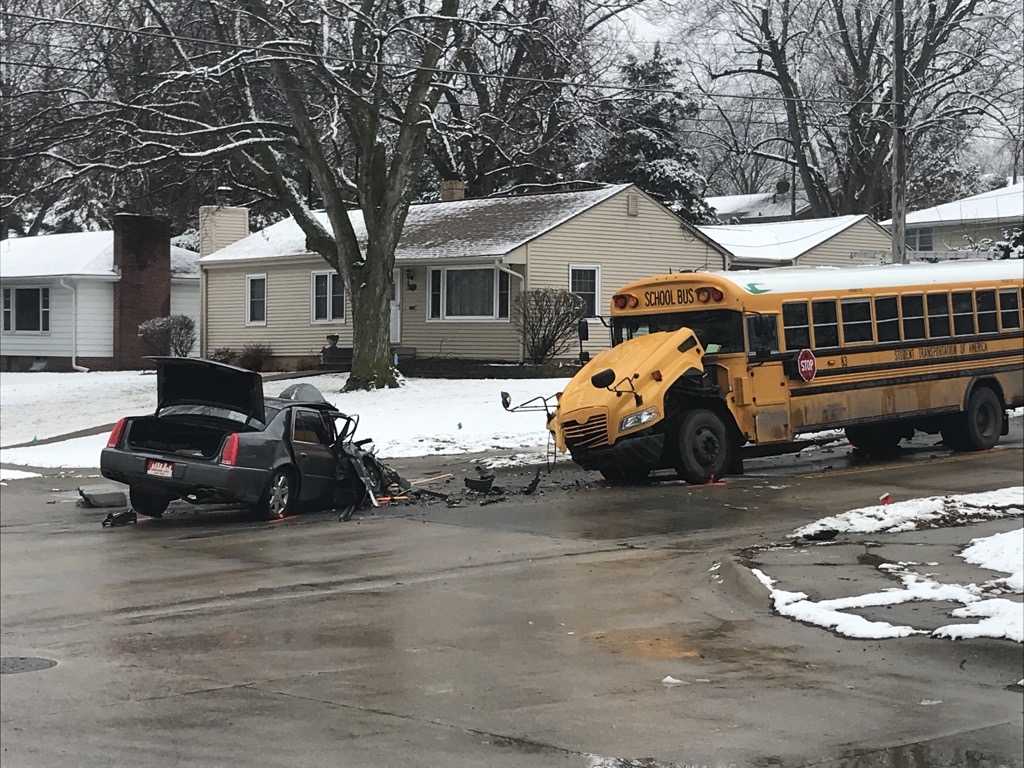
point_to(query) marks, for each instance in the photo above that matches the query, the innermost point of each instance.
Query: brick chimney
(452, 189)
(142, 256)
(220, 226)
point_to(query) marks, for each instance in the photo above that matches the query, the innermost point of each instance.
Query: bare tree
(548, 321)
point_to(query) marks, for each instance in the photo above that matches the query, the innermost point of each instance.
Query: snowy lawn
(426, 416)
(1001, 552)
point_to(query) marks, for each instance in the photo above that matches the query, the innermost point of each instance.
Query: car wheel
(146, 503)
(874, 440)
(279, 498)
(977, 428)
(705, 446)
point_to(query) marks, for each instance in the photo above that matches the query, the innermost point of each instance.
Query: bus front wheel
(978, 427)
(705, 446)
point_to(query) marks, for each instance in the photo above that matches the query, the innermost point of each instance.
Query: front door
(396, 307)
(769, 393)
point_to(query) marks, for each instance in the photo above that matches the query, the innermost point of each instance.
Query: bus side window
(938, 315)
(857, 321)
(913, 317)
(762, 334)
(887, 319)
(826, 327)
(986, 301)
(1009, 309)
(963, 313)
(796, 327)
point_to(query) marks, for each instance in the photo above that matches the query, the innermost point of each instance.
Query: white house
(76, 300)
(834, 242)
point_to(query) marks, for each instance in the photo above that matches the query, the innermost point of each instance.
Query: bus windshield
(720, 331)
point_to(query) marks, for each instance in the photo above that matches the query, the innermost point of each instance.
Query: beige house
(965, 224)
(458, 269)
(840, 241)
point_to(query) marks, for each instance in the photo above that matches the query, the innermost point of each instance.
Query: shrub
(255, 356)
(547, 319)
(173, 335)
(224, 355)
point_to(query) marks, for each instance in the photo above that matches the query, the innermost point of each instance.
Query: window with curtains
(328, 297)
(26, 310)
(469, 293)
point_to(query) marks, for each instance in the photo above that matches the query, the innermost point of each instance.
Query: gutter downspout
(73, 287)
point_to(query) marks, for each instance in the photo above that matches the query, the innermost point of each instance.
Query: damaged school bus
(705, 362)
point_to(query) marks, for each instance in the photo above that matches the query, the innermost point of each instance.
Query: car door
(311, 444)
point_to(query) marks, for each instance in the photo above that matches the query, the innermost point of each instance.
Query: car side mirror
(583, 329)
(506, 400)
(603, 379)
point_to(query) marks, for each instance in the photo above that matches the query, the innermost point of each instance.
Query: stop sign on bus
(806, 365)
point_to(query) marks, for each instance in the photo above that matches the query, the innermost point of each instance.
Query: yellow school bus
(705, 362)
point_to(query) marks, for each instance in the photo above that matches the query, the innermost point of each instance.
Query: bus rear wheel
(978, 427)
(705, 446)
(874, 439)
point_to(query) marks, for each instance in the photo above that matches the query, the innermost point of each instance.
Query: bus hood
(643, 355)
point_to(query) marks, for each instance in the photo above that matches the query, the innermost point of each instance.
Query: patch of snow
(929, 702)
(15, 474)
(1000, 618)
(1000, 552)
(927, 512)
(669, 680)
(78, 452)
(777, 242)
(996, 204)
(89, 254)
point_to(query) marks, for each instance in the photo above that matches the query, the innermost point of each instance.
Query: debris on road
(99, 497)
(479, 484)
(123, 517)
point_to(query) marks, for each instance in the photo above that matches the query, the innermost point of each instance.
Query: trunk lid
(190, 381)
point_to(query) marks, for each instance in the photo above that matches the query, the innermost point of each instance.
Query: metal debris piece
(124, 517)
(480, 484)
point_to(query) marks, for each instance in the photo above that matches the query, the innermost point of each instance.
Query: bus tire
(625, 475)
(874, 439)
(978, 427)
(706, 450)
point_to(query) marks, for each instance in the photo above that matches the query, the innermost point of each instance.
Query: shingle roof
(1004, 204)
(779, 242)
(76, 254)
(463, 229)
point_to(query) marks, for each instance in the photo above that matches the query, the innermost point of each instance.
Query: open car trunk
(178, 437)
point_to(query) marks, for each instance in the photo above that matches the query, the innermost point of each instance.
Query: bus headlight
(635, 420)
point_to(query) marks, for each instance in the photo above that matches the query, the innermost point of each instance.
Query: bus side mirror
(603, 379)
(506, 400)
(583, 329)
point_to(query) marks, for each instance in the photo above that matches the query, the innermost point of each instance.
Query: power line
(417, 67)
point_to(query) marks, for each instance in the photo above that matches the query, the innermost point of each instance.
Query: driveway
(534, 632)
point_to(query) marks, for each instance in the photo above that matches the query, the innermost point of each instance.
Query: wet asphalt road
(532, 632)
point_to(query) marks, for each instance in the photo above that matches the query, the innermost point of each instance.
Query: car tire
(706, 449)
(280, 495)
(625, 475)
(146, 503)
(874, 439)
(978, 427)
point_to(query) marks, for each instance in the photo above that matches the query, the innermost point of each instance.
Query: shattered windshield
(720, 331)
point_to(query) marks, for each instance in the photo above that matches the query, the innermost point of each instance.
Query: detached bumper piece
(638, 451)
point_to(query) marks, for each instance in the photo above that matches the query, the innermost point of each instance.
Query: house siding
(289, 329)
(185, 301)
(957, 236)
(625, 248)
(862, 243)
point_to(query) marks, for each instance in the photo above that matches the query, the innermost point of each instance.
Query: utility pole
(899, 147)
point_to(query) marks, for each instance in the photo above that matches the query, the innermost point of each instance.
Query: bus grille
(588, 435)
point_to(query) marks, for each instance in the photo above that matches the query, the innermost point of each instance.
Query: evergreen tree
(644, 144)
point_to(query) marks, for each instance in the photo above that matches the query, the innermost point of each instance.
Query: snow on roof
(76, 254)
(485, 227)
(777, 242)
(807, 279)
(1003, 204)
(762, 204)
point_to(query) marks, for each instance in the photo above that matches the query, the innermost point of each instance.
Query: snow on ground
(15, 474)
(426, 416)
(1002, 552)
(928, 512)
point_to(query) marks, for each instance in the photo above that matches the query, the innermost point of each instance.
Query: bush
(255, 356)
(547, 319)
(174, 335)
(224, 355)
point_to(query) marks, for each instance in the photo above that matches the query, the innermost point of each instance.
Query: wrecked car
(215, 438)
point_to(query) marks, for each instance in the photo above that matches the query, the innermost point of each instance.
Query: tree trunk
(372, 366)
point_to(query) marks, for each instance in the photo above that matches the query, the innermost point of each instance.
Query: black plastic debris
(124, 517)
(480, 484)
(100, 496)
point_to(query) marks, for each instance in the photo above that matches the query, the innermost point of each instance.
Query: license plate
(160, 468)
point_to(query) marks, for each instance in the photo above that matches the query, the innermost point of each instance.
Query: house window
(583, 281)
(920, 239)
(26, 310)
(328, 299)
(469, 293)
(256, 299)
